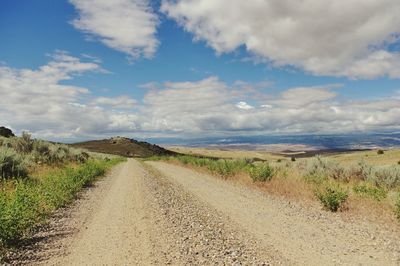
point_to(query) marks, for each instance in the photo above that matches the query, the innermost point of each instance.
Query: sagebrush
(12, 164)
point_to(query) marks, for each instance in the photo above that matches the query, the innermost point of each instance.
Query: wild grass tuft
(365, 190)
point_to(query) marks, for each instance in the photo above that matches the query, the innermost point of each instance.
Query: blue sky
(276, 73)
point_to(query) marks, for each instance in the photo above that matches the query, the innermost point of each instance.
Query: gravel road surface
(156, 213)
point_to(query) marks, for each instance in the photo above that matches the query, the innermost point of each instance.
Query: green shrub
(262, 172)
(12, 164)
(223, 167)
(316, 170)
(78, 156)
(387, 176)
(370, 191)
(184, 159)
(41, 151)
(60, 189)
(379, 152)
(331, 196)
(320, 169)
(293, 159)
(20, 209)
(23, 144)
(361, 171)
(29, 203)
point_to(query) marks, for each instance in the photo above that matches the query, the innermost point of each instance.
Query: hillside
(124, 147)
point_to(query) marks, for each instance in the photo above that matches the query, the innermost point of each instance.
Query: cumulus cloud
(122, 101)
(128, 26)
(183, 106)
(210, 107)
(341, 38)
(38, 101)
(244, 106)
(302, 96)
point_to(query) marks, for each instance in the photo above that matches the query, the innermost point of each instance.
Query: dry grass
(371, 210)
(233, 154)
(390, 157)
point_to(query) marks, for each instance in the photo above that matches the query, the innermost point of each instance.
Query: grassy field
(364, 183)
(38, 177)
(218, 153)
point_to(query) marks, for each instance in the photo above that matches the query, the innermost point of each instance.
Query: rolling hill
(123, 147)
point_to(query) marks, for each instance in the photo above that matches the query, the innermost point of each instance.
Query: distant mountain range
(322, 142)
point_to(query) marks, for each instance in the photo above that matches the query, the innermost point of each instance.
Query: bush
(369, 191)
(293, 159)
(59, 189)
(23, 144)
(12, 164)
(30, 202)
(331, 196)
(379, 152)
(388, 176)
(19, 210)
(316, 170)
(223, 167)
(361, 171)
(41, 151)
(320, 169)
(263, 172)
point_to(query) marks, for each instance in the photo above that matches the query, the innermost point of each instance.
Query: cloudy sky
(82, 69)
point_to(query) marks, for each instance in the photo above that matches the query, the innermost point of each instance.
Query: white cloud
(184, 106)
(209, 107)
(340, 38)
(128, 26)
(302, 96)
(38, 101)
(122, 101)
(244, 106)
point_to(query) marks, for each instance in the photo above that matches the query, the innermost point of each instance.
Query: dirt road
(303, 236)
(157, 214)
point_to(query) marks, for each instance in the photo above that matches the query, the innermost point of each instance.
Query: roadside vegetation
(330, 182)
(38, 177)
